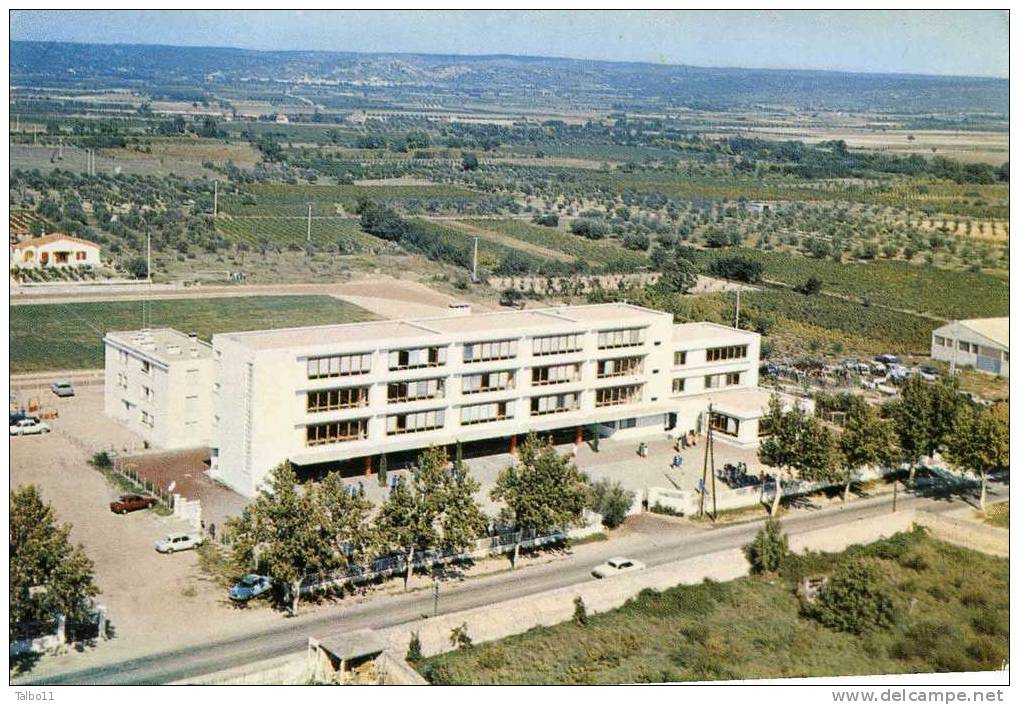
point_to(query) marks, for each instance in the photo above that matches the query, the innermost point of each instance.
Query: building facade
(981, 343)
(352, 392)
(159, 384)
(54, 251)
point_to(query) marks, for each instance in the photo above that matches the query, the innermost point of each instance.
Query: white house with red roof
(56, 250)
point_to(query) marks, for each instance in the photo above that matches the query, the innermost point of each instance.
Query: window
(1004, 356)
(729, 379)
(679, 358)
(554, 374)
(731, 352)
(122, 380)
(726, 425)
(678, 385)
(417, 357)
(614, 396)
(332, 399)
(415, 423)
(620, 367)
(555, 404)
(191, 378)
(939, 340)
(419, 389)
(493, 350)
(487, 382)
(336, 432)
(147, 393)
(963, 346)
(79, 256)
(624, 338)
(146, 367)
(339, 365)
(554, 344)
(147, 419)
(485, 413)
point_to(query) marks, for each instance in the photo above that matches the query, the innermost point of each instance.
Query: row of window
(620, 367)
(967, 347)
(418, 357)
(484, 413)
(625, 338)
(492, 350)
(558, 344)
(413, 391)
(729, 352)
(332, 399)
(487, 382)
(339, 365)
(614, 396)
(554, 374)
(728, 379)
(337, 432)
(416, 422)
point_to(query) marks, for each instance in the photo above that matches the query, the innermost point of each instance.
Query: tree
(42, 556)
(610, 500)
(137, 267)
(738, 268)
(579, 611)
(345, 521)
(853, 601)
(923, 415)
(780, 447)
(414, 648)
(811, 287)
(818, 456)
(469, 161)
(678, 276)
(866, 440)
(768, 549)
(436, 510)
(280, 533)
(978, 442)
(591, 228)
(543, 491)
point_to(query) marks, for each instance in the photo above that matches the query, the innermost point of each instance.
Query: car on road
(250, 587)
(181, 541)
(29, 427)
(62, 389)
(615, 566)
(21, 415)
(132, 503)
(928, 373)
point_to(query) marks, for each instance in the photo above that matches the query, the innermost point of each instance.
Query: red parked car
(132, 503)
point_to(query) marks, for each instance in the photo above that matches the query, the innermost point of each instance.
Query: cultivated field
(69, 336)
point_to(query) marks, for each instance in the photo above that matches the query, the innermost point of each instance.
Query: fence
(130, 473)
(388, 566)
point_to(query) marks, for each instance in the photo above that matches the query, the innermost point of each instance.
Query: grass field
(951, 614)
(997, 515)
(69, 336)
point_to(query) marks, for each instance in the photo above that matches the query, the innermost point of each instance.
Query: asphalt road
(292, 634)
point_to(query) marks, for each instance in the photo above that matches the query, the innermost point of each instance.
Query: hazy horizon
(869, 42)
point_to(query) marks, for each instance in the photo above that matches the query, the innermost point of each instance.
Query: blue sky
(933, 42)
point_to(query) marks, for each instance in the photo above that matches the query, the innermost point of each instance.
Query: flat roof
(163, 344)
(485, 325)
(352, 645)
(746, 402)
(705, 332)
(994, 329)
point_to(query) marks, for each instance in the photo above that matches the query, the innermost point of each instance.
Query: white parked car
(615, 566)
(29, 427)
(179, 542)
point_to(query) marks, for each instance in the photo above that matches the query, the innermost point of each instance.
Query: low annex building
(159, 384)
(56, 250)
(342, 396)
(981, 343)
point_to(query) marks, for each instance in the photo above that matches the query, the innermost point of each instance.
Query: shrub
(492, 658)
(610, 500)
(768, 549)
(459, 638)
(852, 601)
(590, 228)
(738, 268)
(101, 461)
(579, 611)
(990, 623)
(414, 648)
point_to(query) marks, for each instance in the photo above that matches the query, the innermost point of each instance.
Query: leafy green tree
(867, 440)
(768, 549)
(579, 611)
(414, 648)
(542, 491)
(436, 510)
(678, 276)
(924, 415)
(979, 442)
(48, 574)
(779, 449)
(280, 533)
(611, 500)
(811, 287)
(469, 161)
(137, 267)
(345, 521)
(819, 456)
(853, 600)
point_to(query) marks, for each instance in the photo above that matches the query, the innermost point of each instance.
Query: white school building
(341, 396)
(981, 343)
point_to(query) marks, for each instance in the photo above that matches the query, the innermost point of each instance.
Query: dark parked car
(16, 416)
(132, 503)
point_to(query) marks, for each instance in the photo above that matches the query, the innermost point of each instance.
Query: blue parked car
(249, 587)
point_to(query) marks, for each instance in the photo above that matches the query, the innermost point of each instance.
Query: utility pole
(955, 349)
(435, 597)
(215, 199)
(474, 268)
(711, 449)
(737, 305)
(61, 147)
(148, 256)
(309, 223)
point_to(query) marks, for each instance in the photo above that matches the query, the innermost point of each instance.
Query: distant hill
(608, 84)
